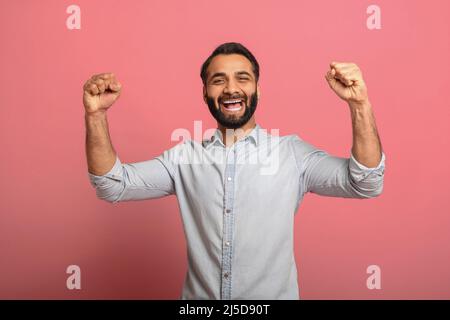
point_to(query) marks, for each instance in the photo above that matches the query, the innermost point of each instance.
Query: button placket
(228, 221)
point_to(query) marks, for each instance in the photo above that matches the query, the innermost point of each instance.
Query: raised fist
(100, 92)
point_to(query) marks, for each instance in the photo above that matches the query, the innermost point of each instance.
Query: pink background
(50, 217)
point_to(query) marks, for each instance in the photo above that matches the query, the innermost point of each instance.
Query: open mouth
(232, 105)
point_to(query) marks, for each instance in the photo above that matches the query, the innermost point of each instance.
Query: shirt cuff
(360, 171)
(115, 173)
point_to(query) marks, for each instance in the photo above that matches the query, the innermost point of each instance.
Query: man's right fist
(100, 92)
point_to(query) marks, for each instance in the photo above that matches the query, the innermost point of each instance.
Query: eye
(243, 79)
(217, 81)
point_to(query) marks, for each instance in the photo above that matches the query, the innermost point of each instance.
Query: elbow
(111, 194)
(375, 193)
(368, 188)
(379, 190)
(370, 191)
(108, 187)
(109, 199)
(367, 183)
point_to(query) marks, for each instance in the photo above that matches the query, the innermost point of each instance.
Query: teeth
(232, 101)
(234, 109)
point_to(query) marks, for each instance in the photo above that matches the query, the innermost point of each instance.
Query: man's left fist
(346, 80)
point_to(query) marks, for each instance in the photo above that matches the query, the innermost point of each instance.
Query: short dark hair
(230, 48)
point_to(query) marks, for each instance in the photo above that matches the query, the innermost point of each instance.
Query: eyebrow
(223, 74)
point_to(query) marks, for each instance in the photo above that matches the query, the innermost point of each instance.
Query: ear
(258, 91)
(204, 94)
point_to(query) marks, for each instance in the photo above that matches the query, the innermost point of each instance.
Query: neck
(232, 136)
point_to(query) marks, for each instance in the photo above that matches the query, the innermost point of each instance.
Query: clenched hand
(346, 80)
(100, 92)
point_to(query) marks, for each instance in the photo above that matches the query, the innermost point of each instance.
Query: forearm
(100, 152)
(366, 143)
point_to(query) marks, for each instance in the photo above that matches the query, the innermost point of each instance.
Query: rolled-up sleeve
(327, 175)
(368, 180)
(133, 181)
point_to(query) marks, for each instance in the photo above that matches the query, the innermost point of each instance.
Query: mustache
(221, 99)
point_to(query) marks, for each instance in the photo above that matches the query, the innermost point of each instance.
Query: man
(237, 213)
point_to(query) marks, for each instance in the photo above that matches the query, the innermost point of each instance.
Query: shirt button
(229, 178)
(227, 243)
(228, 211)
(225, 275)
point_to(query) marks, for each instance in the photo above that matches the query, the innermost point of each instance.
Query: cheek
(214, 94)
(249, 96)
(249, 90)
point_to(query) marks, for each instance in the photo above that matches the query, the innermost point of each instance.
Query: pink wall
(50, 217)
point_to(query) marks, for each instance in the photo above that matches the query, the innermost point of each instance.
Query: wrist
(360, 105)
(95, 115)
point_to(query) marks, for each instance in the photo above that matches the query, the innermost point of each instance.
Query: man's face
(231, 91)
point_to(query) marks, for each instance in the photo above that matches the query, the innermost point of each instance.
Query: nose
(232, 87)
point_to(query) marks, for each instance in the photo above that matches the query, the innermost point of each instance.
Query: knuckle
(107, 75)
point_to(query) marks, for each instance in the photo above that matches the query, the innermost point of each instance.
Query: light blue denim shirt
(238, 204)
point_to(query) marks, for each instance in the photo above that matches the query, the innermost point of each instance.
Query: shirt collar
(254, 136)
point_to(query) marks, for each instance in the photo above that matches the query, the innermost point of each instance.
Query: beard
(233, 122)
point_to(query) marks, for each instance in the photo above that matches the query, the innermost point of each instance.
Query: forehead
(229, 63)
